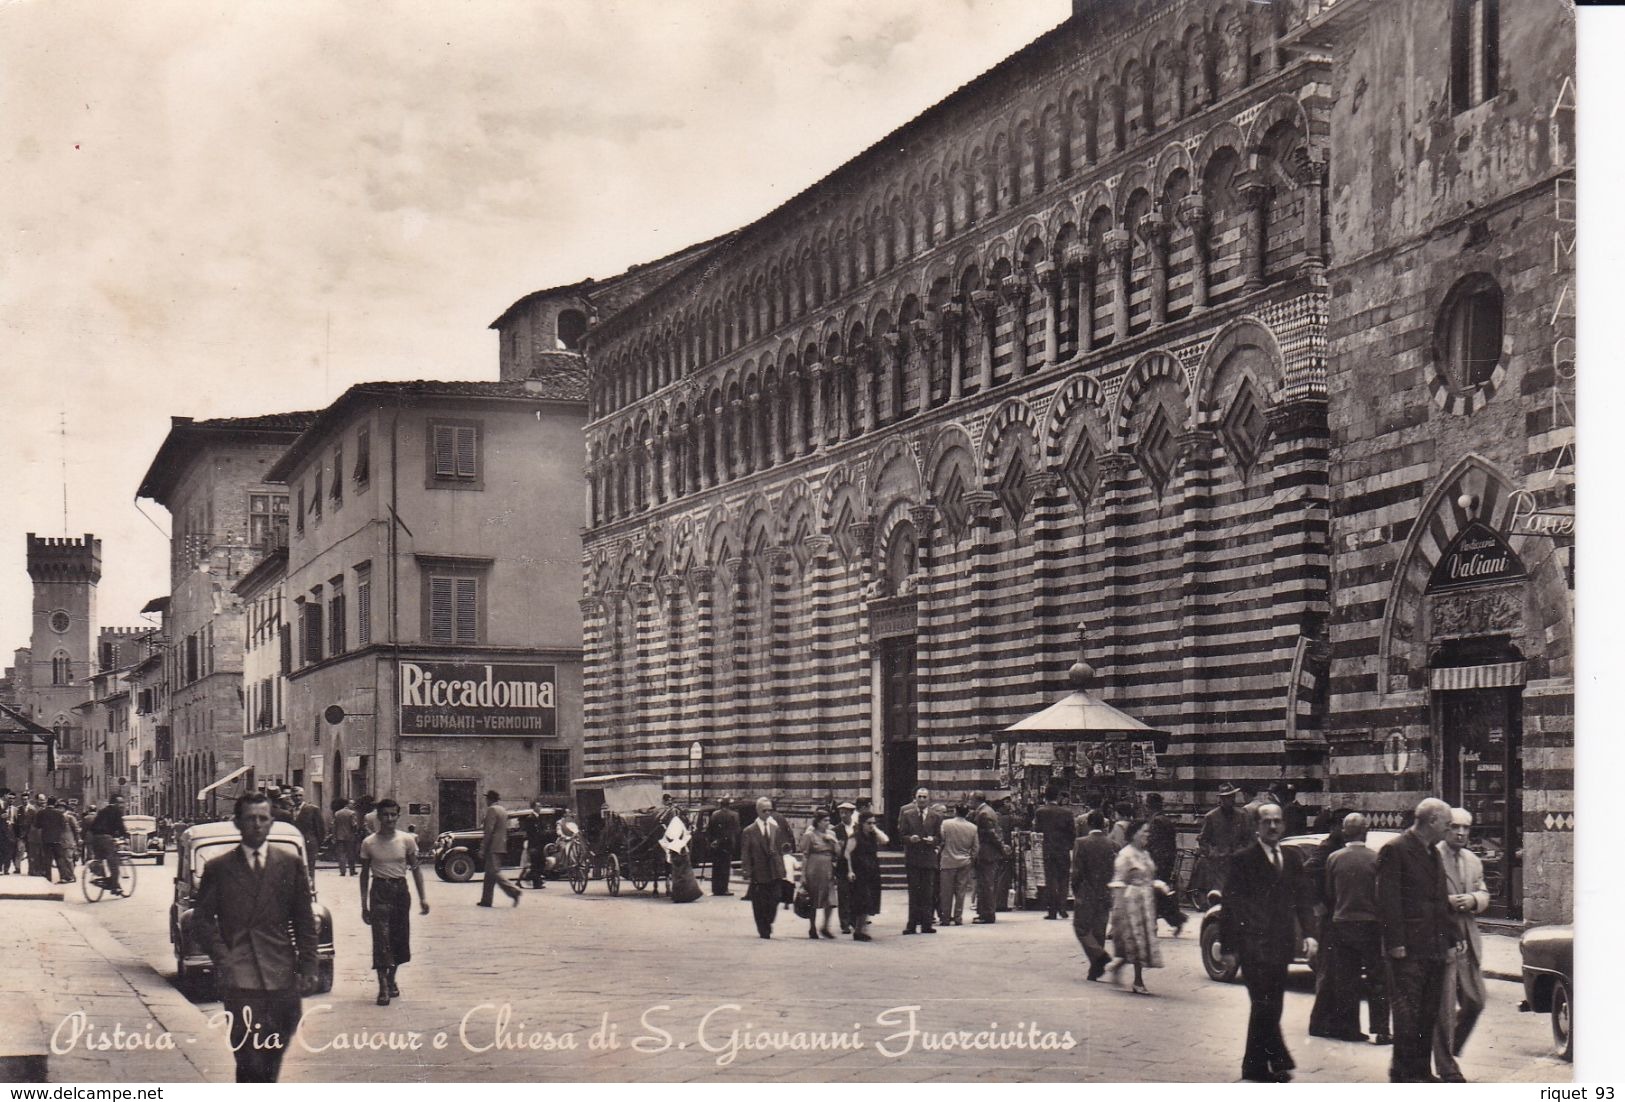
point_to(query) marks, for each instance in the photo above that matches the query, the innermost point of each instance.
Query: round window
(60, 622)
(1469, 354)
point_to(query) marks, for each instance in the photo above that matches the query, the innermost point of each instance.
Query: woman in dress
(1134, 908)
(863, 873)
(818, 850)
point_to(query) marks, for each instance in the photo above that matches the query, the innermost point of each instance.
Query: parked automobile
(197, 846)
(145, 842)
(1223, 966)
(460, 854)
(1548, 980)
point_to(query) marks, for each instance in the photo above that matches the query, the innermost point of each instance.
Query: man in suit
(1266, 902)
(1354, 954)
(1055, 823)
(1163, 846)
(723, 834)
(1464, 995)
(1092, 860)
(494, 845)
(1418, 930)
(308, 818)
(54, 838)
(990, 854)
(761, 864)
(1226, 831)
(921, 829)
(253, 917)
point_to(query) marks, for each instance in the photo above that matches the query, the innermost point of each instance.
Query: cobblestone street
(565, 965)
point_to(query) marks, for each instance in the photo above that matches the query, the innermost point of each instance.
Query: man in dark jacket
(1163, 847)
(1418, 931)
(722, 832)
(1354, 938)
(102, 833)
(921, 830)
(990, 854)
(1093, 859)
(308, 818)
(1265, 895)
(1226, 830)
(54, 838)
(1056, 825)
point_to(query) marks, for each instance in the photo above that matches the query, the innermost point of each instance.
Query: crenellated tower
(65, 572)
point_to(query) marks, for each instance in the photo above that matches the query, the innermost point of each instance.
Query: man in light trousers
(957, 871)
(1464, 994)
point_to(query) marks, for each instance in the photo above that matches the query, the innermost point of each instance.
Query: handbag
(803, 903)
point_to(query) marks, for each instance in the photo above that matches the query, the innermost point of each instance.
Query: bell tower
(65, 573)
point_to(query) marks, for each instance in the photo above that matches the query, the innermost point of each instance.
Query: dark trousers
(1418, 989)
(1007, 880)
(922, 898)
(1089, 917)
(1354, 968)
(494, 879)
(346, 851)
(391, 909)
(262, 1027)
(1057, 877)
(987, 887)
(721, 868)
(843, 896)
(764, 905)
(57, 853)
(1265, 976)
(37, 864)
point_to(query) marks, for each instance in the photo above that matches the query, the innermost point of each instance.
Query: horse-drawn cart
(621, 828)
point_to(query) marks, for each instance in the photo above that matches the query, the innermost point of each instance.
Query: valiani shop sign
(461, 698)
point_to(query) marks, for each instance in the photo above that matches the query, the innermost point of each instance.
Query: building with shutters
(224, 515)
(425, 616)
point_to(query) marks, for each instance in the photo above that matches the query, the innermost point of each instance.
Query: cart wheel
(639, 880)
(579, 875)
(612, 875)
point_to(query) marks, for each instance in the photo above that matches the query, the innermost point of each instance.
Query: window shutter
(363, 456)
(313, 633)
(440, 610)
(285, 639)
(466, 453)
(363, 613)
(468, 610)
(445, 448)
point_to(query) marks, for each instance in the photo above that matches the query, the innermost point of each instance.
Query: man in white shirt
(1464, 994)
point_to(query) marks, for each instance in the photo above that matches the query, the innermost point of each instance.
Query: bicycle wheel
(126, 876)
(87, 883)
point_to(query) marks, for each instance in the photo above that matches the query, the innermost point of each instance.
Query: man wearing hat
(494, 845)
(990, 854)
(308, 818)
(1226, 830)
(723, 833)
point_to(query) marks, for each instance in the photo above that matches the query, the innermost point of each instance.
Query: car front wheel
(1220, 966)
(458, 868)
(1562, 1021)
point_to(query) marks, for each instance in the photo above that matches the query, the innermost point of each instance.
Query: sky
(220, 209)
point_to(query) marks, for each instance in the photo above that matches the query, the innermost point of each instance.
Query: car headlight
(442, 844)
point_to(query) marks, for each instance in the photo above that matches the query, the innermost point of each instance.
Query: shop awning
(1498, 675)
(1080, 716)
(203, 792)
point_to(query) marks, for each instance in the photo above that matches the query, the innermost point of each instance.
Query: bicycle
(93, 878)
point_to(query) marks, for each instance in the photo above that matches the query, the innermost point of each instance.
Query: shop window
(1245, 429)
(1471, 332)
(1082, 470)
(1158, 450)
(554, 773)
(1475, 52)
(454, 455)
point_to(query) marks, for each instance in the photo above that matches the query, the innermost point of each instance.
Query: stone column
(1015, 289)
(891, 375)
(798, 398)
(1116, 473)
(1188, 487)
(1255, 191)
(615, 675)
(732, 697)
(953, 316)
(817, 434)
(1154, 231)
(1116, 244)
(775, 426)
(1080, 263)
(593, 666)
(986, 305)
(719, 445)
(777, 675)
(752, 449)
(1311, 176)
(593, 494)
(865, 372)
(638, 721)
(926, 627)
(837, 399)
(1049, 281)
(736, 431)
(1193, 215)
(979, 508)
(821, 571)
(925, 339)
(1050, 657)
(665, 454)
(703, 692)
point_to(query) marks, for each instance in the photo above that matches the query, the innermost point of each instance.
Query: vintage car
(460, 854)
(145, 843)
(1548, 980)
(1223, 966)
(199, 845)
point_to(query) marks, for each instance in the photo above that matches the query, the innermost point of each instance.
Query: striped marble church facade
(1051, 355)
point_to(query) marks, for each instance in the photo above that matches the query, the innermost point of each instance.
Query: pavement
(594, 987)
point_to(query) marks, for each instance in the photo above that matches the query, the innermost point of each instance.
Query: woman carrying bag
(819, 848)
